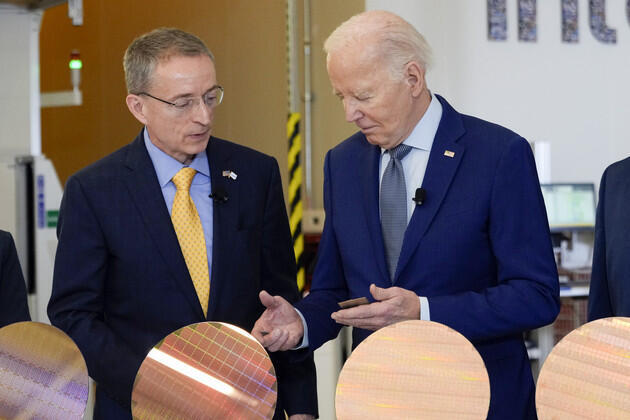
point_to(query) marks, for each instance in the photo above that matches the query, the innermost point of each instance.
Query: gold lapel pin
(229, 174)
(449, 153)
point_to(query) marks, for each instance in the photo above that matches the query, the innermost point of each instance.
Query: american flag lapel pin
(229, 174)
(449, 153)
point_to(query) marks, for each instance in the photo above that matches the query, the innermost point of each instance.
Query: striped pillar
(295, 196)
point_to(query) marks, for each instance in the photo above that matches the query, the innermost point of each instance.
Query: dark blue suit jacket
(610, 281)
(13, 303)
(121, 283)
(478, 247)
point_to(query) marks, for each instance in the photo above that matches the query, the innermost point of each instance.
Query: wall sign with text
(527, 30)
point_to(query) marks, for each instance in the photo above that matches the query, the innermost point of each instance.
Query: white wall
(19, 100)
(14, 81)
(575, 96)
(19, 81)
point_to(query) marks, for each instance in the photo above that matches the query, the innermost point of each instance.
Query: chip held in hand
(351, 303)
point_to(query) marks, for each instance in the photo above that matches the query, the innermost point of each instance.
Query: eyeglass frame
(183, 108)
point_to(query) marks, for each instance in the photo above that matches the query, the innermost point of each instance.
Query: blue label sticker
(41, 210)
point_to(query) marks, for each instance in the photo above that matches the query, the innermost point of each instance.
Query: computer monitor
(570, 207)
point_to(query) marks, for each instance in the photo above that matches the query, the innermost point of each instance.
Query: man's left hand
(393, 304)
(301, 417)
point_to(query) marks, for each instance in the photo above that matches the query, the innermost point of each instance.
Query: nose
(202, 113)
(351, 109)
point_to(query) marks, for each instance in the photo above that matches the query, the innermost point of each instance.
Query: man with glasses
(175, 228)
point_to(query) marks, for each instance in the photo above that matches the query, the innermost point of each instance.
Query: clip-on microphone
(421, 194)
(219, 195)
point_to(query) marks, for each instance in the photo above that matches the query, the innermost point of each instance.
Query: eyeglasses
(210, 99)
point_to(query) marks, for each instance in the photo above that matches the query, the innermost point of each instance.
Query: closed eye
(183, 103)
(210, 98)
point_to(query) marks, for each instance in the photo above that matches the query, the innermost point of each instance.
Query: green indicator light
(76, 64)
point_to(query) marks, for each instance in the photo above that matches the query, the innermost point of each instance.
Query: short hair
(394, 39)
(147, 50)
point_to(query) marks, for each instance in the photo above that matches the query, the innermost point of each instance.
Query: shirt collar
(166, 166)
(424, 132)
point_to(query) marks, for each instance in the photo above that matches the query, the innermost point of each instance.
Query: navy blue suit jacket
(610, 281)
(478, 247)
(121, 283)
(13, 303)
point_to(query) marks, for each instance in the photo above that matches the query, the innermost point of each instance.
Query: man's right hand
(279, 327)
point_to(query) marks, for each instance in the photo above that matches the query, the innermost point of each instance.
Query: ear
(136, 107)
(414, 76)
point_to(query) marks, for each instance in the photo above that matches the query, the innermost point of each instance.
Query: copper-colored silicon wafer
(413, 369)
(42, 373)
(209, 370)
(587, 374)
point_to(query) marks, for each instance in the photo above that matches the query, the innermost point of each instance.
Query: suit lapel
(147, 196)
(369, 164)
(224, 218)
(444, 159)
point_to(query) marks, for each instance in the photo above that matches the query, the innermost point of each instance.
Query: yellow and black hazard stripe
(295, 195)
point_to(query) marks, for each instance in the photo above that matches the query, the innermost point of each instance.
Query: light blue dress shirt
(166, 167)
(415, 165)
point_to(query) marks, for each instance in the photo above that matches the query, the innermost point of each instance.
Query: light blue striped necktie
(393, 201)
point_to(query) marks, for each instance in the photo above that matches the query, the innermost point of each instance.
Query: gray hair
(393, 39)
(147, 50)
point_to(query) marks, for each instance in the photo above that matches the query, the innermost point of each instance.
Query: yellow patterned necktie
(189, 231)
